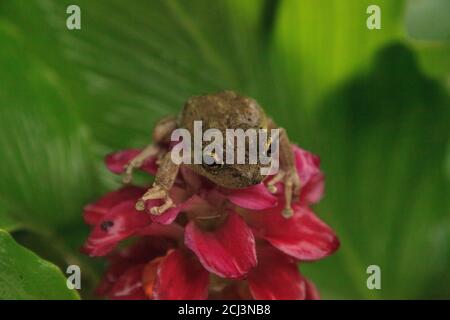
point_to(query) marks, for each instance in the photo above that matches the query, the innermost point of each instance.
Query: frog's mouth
(233, 176)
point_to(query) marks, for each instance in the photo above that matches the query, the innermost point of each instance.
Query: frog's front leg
(161, 135)
(138, 161)
(164, 180)
(287, 174)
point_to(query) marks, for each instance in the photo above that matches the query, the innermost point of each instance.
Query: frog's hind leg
(161, 135)
(165, 178)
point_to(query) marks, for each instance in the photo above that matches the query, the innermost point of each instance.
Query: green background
(374, 104)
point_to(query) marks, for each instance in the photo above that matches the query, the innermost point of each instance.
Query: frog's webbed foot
(138, 161)
(156, 192)
(291, 188)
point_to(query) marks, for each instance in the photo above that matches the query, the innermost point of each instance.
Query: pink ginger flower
(215, 243)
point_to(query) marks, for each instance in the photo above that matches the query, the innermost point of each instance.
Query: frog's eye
(269, 148)
(211, 161)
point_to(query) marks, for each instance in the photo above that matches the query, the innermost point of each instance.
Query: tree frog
(222, 110)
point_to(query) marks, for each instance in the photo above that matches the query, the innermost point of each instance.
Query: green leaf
(428, 30)
(428, 20)
(48, 169)
(434, 59)
(24, 276)
(47, 172)
(143, 60)
(63, 250)
(321, 43)
(383, 145)
(7, 222)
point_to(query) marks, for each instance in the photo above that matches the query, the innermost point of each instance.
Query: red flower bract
(276, 277)
(304, 236)
(181, 277)
(228, 251)
(215, 243)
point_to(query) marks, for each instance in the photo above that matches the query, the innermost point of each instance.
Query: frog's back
(223, 110)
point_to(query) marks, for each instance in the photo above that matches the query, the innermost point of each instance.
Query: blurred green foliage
(374, 104)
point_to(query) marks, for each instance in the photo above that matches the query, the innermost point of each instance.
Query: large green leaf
(323, 42)
(47, 173)
(62, 250)
(141, 60)
(7, 221)
(23, 275)
(428, 20)
(383, 145)
(428, 29)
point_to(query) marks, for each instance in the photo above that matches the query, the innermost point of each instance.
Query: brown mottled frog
(223, 110)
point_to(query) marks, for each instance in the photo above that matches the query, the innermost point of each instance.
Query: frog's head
(224, 111)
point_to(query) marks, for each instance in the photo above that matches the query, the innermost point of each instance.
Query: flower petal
(116, 161)
(120, 222)
(235, 290)
(140, 252)
(196, 205)
(307, 164)
(228, 251)
(170, 231)
(256, 197)
(94, 212)
(181, 277)
(311, 177)
(167, 217)
(276, 277)
(149, 276)
(303, 236)
(313, 191)
(192, 180)
(143, 250)
(129, 285)
(110, 277)
(311, 291)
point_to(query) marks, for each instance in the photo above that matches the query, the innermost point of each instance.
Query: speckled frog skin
(223, 110)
